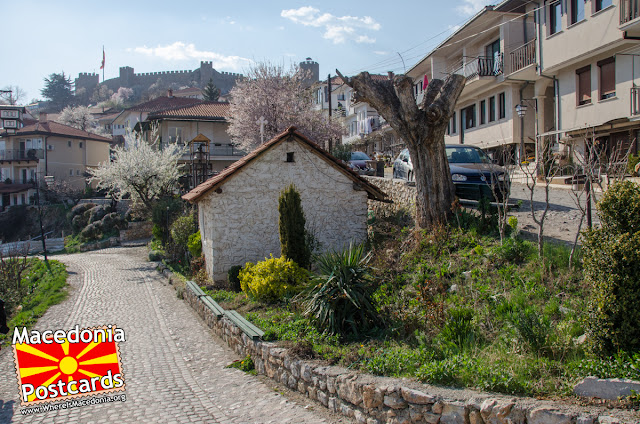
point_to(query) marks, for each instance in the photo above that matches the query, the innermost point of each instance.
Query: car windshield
(359, 156)
(466, 155)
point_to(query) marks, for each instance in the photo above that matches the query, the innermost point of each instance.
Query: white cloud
(471, 7)
(338, 29)
(180, 51)
(365, 39)
(380, 52)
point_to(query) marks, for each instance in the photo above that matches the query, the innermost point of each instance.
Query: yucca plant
(339, 300)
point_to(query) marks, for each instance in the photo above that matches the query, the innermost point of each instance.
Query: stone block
(372, 396)
(544, 415)
(305, 372)
(585, 420)
(475, 417)
(605, 419)
(454, 414)
(417, 397)
(606, 388)
(431, 418)
(323, 398)
(394, 401)
(438, 407)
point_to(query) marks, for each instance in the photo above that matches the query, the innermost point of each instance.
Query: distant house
(128, 118)
(203, 128)
(46, 149)
(238, 208)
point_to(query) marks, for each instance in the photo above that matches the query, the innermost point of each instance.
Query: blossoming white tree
(81, 117)
(279, 96)
(140, 170)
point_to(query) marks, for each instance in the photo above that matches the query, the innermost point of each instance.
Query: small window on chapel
(290, 157)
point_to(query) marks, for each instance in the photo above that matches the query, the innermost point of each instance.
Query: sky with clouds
(42, 37)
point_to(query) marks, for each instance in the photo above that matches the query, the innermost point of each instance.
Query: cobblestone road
(173, 365)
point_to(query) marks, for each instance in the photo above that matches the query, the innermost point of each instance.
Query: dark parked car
(358, 163)
(473, 173)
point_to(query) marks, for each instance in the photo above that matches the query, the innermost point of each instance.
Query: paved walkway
(173, 365)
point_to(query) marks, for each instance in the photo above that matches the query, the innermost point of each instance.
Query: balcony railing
(482, 66)
(28, 154)
(523, 56)
(635, 101)
(629, 10)
(226, 151)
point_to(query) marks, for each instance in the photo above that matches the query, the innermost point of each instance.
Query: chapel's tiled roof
(203, 110)
(56, 128)
(217, 181)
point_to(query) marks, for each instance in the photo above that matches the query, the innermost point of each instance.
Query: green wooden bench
(195, 288)
(206, 299)
(213, 306)
(249, 329)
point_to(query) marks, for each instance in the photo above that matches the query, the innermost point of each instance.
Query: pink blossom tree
(280, 97)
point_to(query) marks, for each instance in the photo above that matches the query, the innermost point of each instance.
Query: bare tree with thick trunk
(422, 127)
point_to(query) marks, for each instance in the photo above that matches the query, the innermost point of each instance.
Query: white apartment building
(568, 65)
(365, 129)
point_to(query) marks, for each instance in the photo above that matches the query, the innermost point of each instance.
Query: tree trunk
(422, 129)
(434, 194)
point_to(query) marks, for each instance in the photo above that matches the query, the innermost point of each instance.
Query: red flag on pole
(102, 66)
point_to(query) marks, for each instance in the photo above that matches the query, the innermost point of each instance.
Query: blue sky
(42, 37)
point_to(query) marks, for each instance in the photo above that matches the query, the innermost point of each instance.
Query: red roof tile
(56, 128)
(215, 182)
(203, 110)
(162, 103)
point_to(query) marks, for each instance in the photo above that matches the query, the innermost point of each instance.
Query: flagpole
(102, 63)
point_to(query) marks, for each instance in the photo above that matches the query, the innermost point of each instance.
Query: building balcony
(629, 14)
(522, 59)
(19, 155)
(475, 67)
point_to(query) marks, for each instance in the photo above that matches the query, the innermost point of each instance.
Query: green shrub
(245, 364)
(619, 208)
(513, 250)
(182, 229)
(459, 329)
(195, 244)
(158, 232)
(532, 328)
(272, 279)
(233, 275)
(292, 228)
(339, 301)
(612, 266)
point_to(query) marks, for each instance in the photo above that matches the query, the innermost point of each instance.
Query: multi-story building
(364, 128)
(129, 118)
(557, 70)
(46, 150)
(202, 128)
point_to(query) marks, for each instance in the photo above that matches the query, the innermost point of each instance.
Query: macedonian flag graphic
(53, 366)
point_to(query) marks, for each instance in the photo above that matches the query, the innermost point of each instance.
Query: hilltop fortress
(129, 79)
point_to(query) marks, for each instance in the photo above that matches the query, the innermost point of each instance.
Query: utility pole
(329, 96)
(44, 244)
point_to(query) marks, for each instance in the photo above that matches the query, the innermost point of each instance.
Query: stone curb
(376, 400)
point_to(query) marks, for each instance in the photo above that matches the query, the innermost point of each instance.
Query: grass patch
(458, 308)
(43, 290)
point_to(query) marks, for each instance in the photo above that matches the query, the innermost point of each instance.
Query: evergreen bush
(612, 268)
(292, 228)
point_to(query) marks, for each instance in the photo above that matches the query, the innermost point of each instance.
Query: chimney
(390, 74)
(170, 93)
(42, 117)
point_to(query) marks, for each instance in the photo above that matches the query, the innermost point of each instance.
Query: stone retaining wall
(401, 192)
(375, 400)
(137, 231)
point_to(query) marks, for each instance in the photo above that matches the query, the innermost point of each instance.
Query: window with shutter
(583, 92)
(607, 78)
